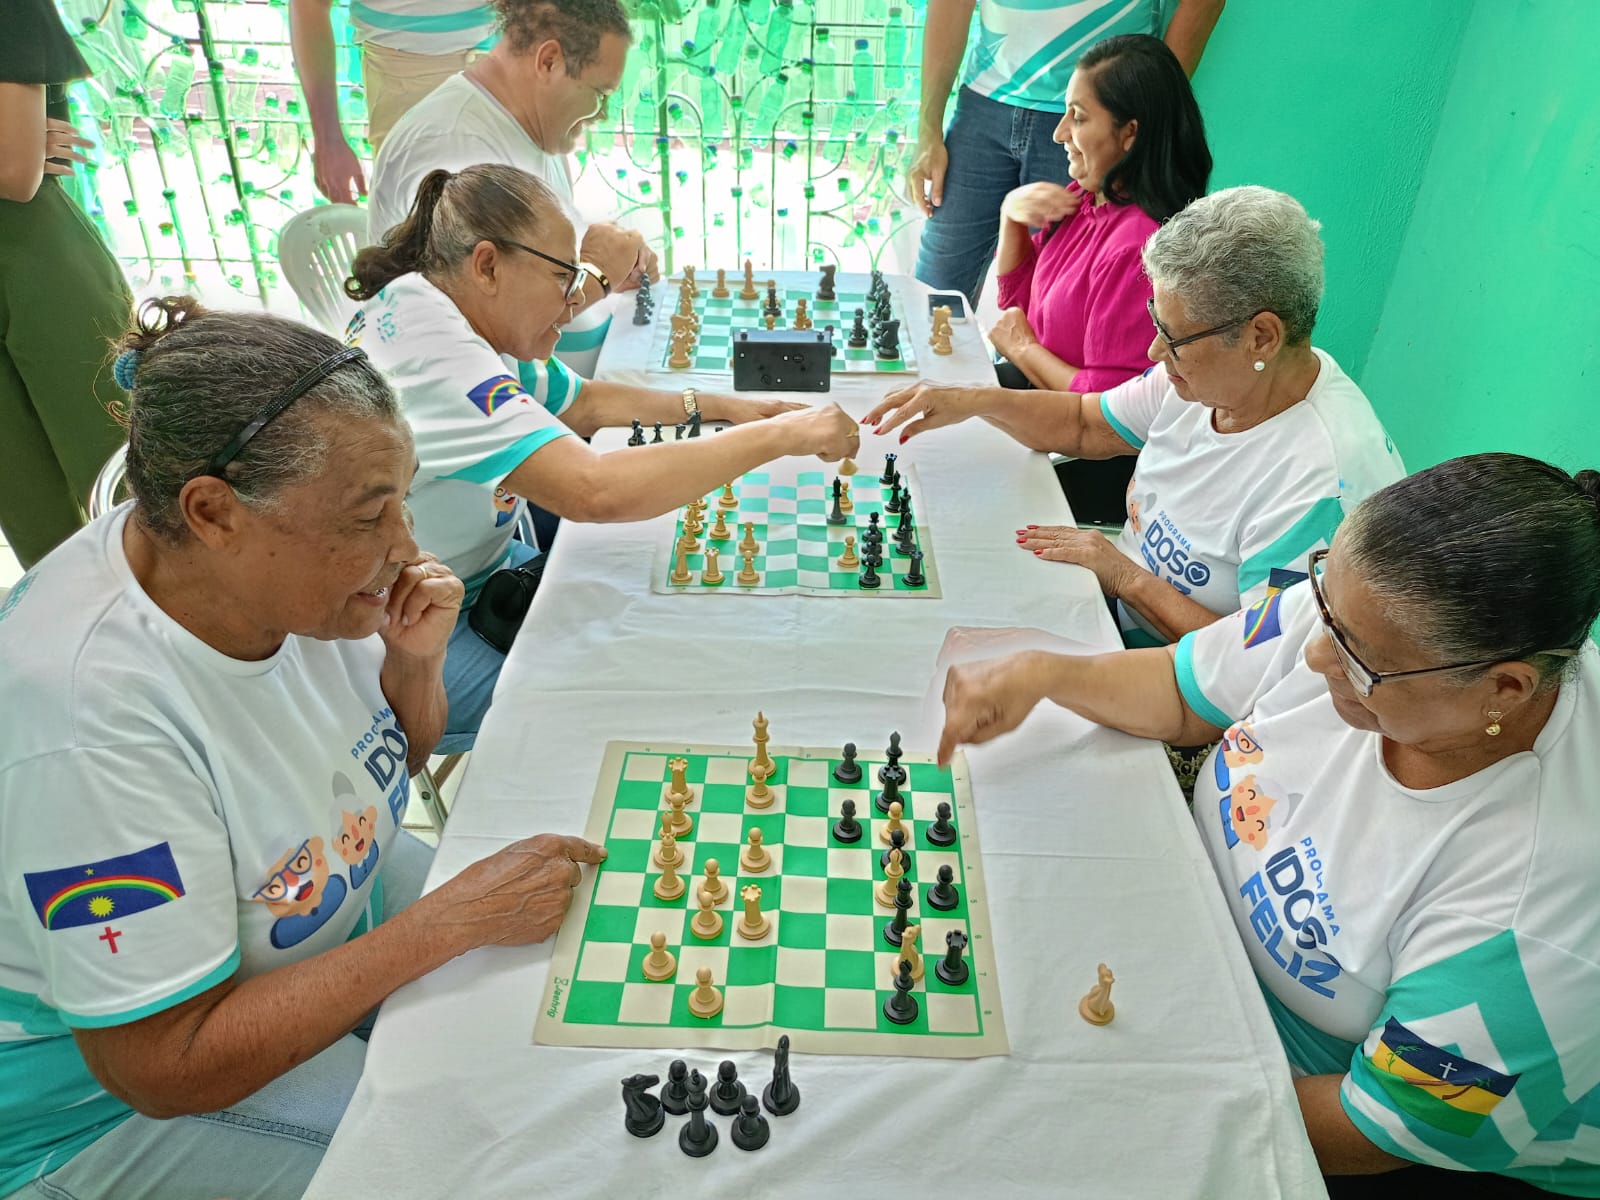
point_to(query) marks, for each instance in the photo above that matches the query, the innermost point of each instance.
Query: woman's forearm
(1043, 368)
(1015, 248)
(414, 688)
(601, 404)
(1171, 612)
(1135, 691)
(1340, 1147)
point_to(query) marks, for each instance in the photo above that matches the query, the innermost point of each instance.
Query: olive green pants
(62, 298)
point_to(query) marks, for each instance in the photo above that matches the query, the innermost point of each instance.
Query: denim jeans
(471, 669)
(267, 1146)
(993, 148)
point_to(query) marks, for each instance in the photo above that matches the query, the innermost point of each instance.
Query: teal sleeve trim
(1122, 431)
(223, 970)
(434, 23)
(502, 462)
(1189, 686)
(1290, 548)
(584, 339)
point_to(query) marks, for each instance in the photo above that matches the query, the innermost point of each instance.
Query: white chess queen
(465, 300)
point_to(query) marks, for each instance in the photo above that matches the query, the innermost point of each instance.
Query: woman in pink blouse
(1071, 282)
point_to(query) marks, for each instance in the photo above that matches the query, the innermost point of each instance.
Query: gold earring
(1493, 729)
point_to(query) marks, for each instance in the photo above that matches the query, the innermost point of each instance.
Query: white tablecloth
(1090, 853)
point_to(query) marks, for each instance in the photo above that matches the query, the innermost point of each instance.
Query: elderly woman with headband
(1252, 444)
(1404, 821)
(214, 696)
(479, 277)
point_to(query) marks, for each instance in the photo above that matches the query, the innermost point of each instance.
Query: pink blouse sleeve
(1016, 285)
(1119, 333)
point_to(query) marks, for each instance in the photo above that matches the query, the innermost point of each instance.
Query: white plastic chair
(107, 492)
(315, 250)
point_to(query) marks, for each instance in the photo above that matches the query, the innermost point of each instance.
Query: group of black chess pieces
(689, 428)
(898, 504)
(876, 325)
(686, 1092)
(942, 895)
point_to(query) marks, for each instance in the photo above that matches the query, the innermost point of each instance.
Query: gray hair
(203, 376)
(1238, 252)
(1486, 558)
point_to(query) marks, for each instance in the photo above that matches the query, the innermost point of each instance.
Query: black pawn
(901, 1007)
(781, 1096)
(656, 440)
(694, 423)
(636, 438)
(943, 894)
(644, 1118)
(951, 969)
(750, 1129)
(858, 332)
(836, 517)
(727, 1093)
(869, 578)
(849, 771)
(847, 829)
(641, 308)
(677, 432)
(902, 913)
(698, 1137)
(675, 1096)
(897, 841)
(892, 504)
(914, 577)
(907, 521)
(941, 832)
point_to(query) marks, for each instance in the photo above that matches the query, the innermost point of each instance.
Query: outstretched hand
(984, 699)
(1090, 548)
(932, 404)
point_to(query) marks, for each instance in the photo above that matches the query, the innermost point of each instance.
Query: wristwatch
(599, 276)
(690, 404)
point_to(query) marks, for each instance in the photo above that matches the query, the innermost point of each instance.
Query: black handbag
(498, 611)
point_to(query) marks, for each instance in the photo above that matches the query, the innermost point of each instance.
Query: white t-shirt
(1440, 948)
(475, 416)
(459, 125)
(1223, 517)
(424, 26)
(169, 817)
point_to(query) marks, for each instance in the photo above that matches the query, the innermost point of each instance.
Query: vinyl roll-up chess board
(823, 971)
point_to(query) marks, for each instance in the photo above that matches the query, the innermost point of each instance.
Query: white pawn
(659, 964)
(707, 923)
(713, 884)
(754, 857)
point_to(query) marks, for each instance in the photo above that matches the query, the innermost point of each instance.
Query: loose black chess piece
(641, 308)
(727, 1094)
(897, 841)
(677, 431)
(657, 439)
(941, 832)
(698, 1137)
(892, 504)
(858, 332)
(914, 578)
(645, 1117)
(750, 1129)
(848, 771)
(825, 285)
(694, 423)
(836, 516)
(889, 474)
(943, 894)
(636, 438)
(901, 1008)
(896, 928)
(950, 969)
(869, 577)
(781, 1096)
(888, 343)
(772, 308)
(847, 829)
(675, 1096)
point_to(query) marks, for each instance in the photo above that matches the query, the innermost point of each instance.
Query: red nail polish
(1033, 527)
(1038, 551)
(903, 437)
(1022, 541)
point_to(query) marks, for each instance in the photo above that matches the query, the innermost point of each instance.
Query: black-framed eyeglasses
(1362, 677)
(580, 275)
(1173, 343)
(218, 465)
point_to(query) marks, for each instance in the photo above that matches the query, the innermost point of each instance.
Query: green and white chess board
(719, 319)
(823, 970)
(798, 551)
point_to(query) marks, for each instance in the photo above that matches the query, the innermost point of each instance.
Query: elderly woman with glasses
(1252, 444)
(479, 278)
(214, 697)
(1405, 819)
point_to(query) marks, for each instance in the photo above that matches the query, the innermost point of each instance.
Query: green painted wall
(1336, 103)
(1490, 335)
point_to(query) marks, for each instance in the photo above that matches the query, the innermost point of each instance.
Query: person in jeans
(1011, 101)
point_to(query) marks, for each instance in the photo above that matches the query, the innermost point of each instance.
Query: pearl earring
(1260, 366)
(1493, 729)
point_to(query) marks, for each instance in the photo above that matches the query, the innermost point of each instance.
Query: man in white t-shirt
(526, 104)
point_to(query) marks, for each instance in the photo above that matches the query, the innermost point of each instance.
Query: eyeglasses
(580, 275)
(1173, 343)
(218, 465)
(299, 866)
(1362, 677)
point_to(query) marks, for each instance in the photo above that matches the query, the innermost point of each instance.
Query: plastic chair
(315, 250)
(108, 492)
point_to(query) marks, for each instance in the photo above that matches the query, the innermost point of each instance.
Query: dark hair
(1491, 557)
(577, 25)
(451, 215)
(1138, 78)
(199, 377)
